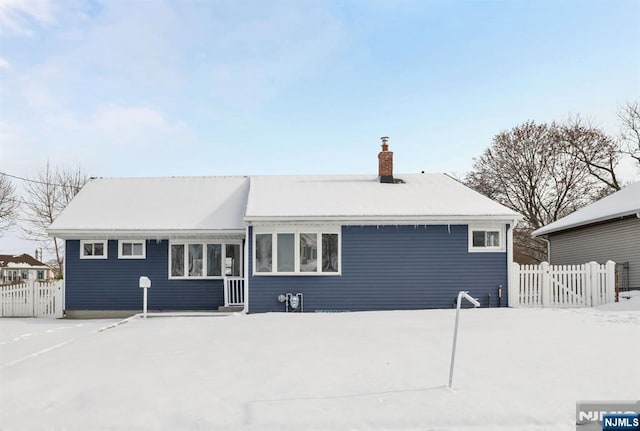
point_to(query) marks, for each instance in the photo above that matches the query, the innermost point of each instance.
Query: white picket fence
(558, 286)
(32, 298)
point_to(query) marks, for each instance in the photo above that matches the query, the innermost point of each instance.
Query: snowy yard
(515, 369)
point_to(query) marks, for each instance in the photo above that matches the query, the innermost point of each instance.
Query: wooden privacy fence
(547, 285)
(31, 299)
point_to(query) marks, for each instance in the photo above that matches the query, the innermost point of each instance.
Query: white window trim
(296, 231)
(204, 259)
(105, 244)
(132, 241)
(477, 228)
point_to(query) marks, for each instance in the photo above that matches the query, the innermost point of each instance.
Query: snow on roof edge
(550, 228)
(623, 203)
(62, 227)
(169, 177)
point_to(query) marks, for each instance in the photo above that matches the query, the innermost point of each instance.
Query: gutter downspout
(512, 226)
(548, 248)
(245, 308)
(64, 278)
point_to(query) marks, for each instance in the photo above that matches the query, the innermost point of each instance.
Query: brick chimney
(385, 162)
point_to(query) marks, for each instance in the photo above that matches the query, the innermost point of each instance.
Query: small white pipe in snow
(465, 295)
(144, 304)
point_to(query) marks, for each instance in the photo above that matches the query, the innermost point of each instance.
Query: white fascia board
(539, 232)
(377, 220)
(146, 234)
(545, 230)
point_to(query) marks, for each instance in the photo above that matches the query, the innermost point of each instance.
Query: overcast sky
(154, 88)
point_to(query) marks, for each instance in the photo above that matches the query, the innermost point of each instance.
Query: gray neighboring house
(608, 229)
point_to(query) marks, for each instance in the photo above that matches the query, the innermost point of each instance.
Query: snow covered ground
(515, 369)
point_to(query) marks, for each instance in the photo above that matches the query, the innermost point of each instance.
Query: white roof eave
(440, 219)
(623, 203)
(144, 233)
(553, 227)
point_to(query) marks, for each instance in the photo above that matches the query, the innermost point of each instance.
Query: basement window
(93, 249)
(483, 239)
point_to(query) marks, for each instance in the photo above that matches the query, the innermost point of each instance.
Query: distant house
(276, 243)
(16, 268)
(608, 229)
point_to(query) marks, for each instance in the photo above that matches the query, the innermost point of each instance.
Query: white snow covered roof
(619, 204)
(20, 261)
(170, 204)
(363, 197)
(115, 207)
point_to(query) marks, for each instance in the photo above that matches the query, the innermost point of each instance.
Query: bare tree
(46, 196)
(529, 170)
(8, 203)
(594, 148)
(629, 116)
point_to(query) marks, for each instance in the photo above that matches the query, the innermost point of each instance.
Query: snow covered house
(16, 268)
(608, 229)
(269, 243)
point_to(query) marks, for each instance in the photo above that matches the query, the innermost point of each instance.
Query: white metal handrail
(233, 291)
(462, 294)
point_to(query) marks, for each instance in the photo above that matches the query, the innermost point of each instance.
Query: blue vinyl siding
(392, 268)
(112, 284)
